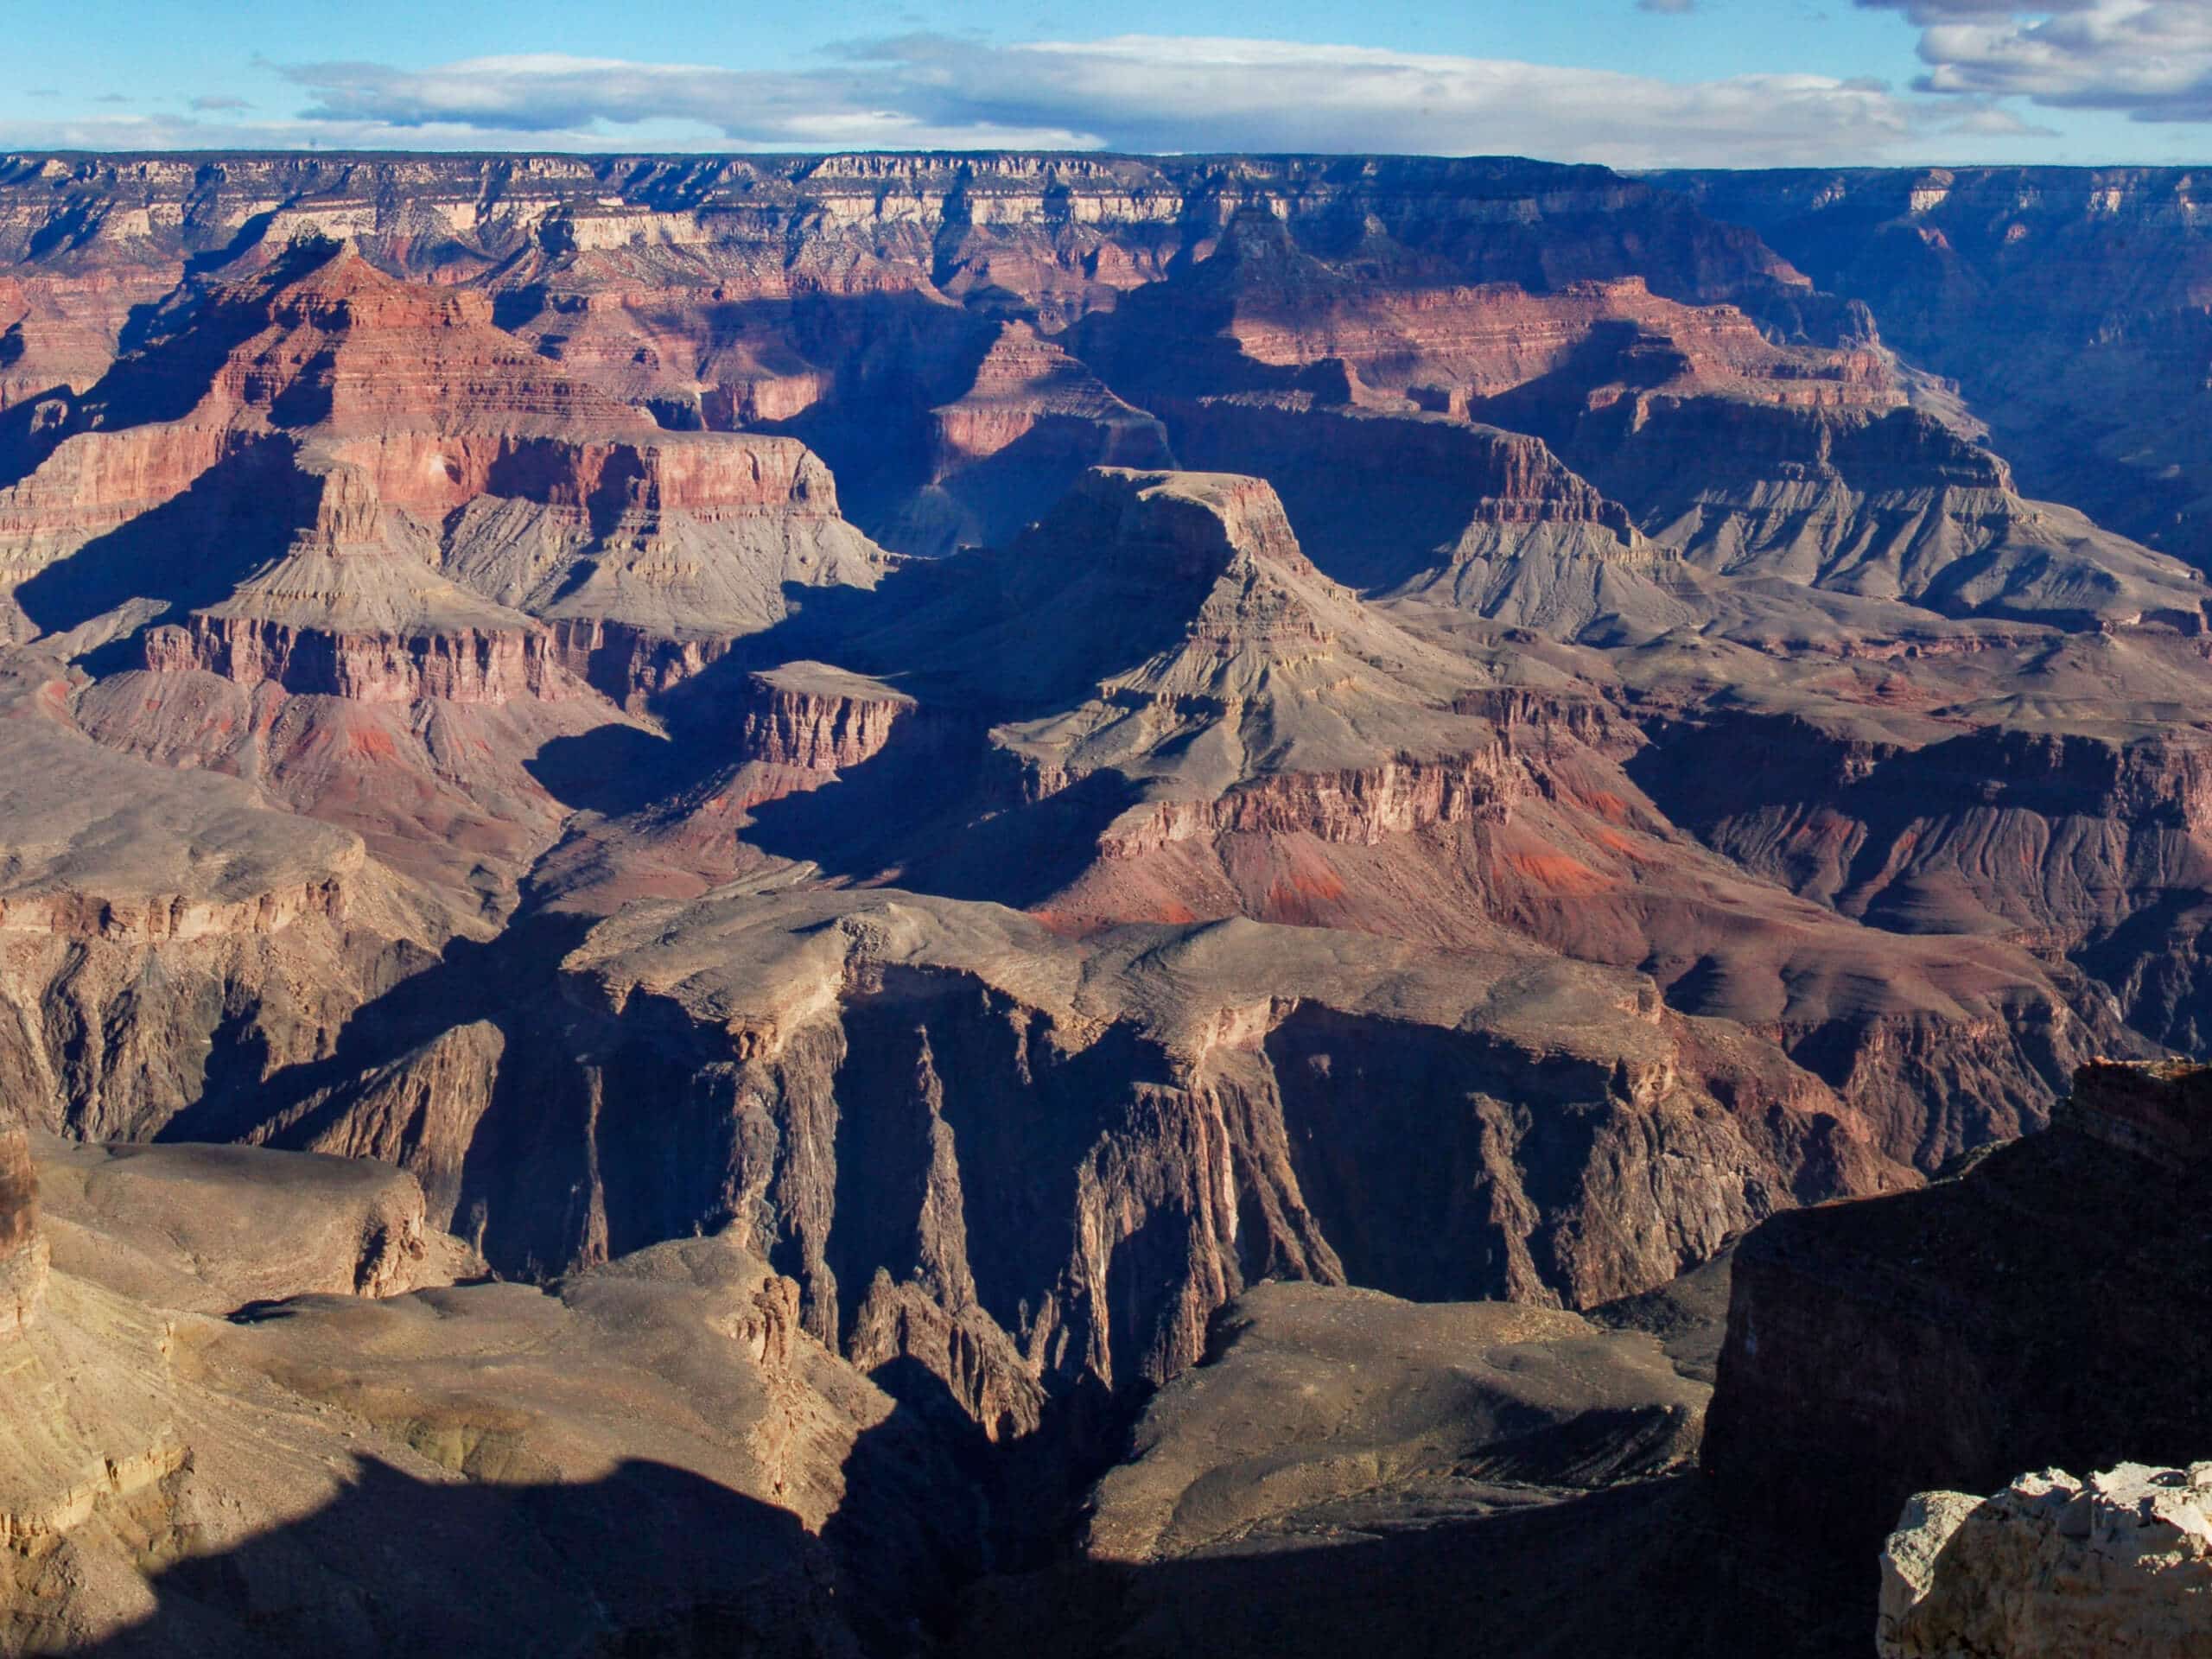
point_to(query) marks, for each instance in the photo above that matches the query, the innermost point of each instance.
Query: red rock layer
(460, 665)
(819, 727)
(1467, 344)
(709, 476)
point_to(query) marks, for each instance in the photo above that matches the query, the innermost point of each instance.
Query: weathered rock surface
(654, 1454)
(1075, 1151)
(166, 934)
(1350, 1472)
(2119, 1563)
(162, 1224)
(2059, 300)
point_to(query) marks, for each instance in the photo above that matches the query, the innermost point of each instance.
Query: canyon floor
(903, 905)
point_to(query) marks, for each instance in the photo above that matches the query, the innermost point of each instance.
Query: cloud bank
(1133, 92)
(2149, 59)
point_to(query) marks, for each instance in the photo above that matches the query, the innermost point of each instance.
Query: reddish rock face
(452, 665)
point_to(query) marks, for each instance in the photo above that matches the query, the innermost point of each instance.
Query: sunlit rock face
(2115, 1563)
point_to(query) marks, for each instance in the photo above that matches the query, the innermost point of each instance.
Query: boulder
(2110, 1564)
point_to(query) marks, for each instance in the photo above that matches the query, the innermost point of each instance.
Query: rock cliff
(1930, 1340)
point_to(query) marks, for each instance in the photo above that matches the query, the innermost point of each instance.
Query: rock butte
(806, 846)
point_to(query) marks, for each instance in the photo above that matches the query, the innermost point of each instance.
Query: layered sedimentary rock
(2119, 1563)
(2063, 301)
(1030, 422)
(944, 1120)
(1483, 519)
(2031, 1310)
(1933, 801)
(353, 609)
(165, 934)
(1890, 504)
(1605, 757)
(865, 299)
(428, 433)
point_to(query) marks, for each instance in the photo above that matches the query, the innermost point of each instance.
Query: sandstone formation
(2114, 1563)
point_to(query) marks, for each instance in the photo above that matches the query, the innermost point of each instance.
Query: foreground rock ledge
(2116, 1563)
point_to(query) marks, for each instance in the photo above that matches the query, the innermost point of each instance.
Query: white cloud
(2151, 59)
(1132, 92)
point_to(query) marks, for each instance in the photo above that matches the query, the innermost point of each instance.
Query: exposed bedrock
(2053, 1567)
(457, 666)
(163, 1224)
(1882, 504)
(165, 936)
(2046, 1308)
(2062, 301)
(1028, 1165)
(654, 1453)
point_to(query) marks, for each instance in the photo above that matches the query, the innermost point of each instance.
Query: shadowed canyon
(939, 905)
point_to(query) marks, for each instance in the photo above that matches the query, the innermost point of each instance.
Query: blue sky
(1627, 82)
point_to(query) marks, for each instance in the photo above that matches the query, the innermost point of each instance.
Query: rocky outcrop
(2116, 1563)
(2024, 1311)
(1028, 425)
(688, 539)
(455, 665)
(815, 718)
(1459, 493)
(352, 609)
(1359, 807)
(1027, 1166)
(2074, 839)
(1893, 506)
(160, 1223)
(419, 1111)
